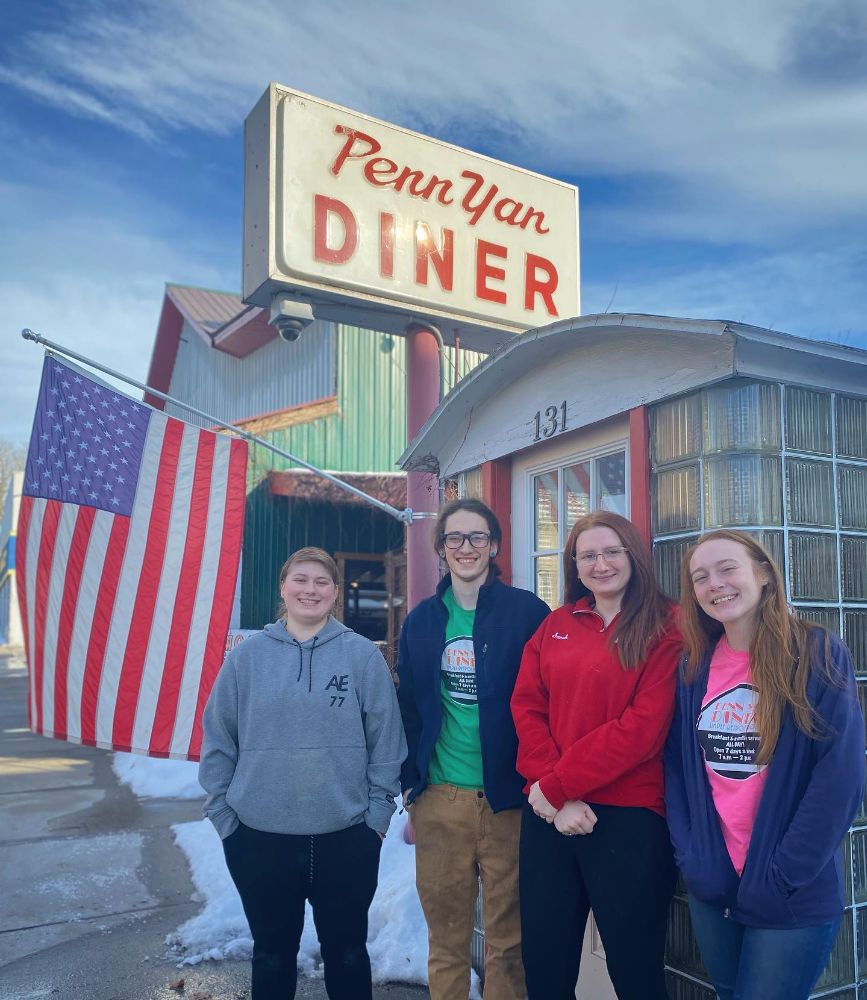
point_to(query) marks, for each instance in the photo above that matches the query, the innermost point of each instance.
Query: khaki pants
(458, 839)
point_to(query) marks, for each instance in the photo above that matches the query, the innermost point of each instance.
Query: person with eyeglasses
(592, 706)
(457, 663)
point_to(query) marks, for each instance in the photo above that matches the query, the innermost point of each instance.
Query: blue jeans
(760, 963)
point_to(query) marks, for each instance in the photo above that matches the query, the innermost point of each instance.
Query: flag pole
(405, 516)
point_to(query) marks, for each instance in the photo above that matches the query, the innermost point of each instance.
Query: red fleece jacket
(587, 728)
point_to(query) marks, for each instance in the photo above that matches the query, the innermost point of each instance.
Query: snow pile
(150, 777)
(397, 939)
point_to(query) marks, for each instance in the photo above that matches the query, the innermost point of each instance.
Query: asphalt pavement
(91, 880)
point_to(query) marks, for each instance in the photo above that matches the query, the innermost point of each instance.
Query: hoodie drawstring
(309, 662)
(310, 666)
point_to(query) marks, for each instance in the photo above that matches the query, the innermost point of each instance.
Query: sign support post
(423, 390)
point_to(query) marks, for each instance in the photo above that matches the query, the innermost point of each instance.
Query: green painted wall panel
(367, 434)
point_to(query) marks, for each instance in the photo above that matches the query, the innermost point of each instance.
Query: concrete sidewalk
(91, 879)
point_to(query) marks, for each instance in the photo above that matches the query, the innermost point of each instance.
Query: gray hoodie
(302, 738)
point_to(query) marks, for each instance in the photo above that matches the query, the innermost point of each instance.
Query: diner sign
(344, 209)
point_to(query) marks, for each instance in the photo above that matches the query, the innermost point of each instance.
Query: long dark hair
(780, 659)
(645, 610)
(472, 506)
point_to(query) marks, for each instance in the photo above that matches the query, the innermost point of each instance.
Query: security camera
(290, 315)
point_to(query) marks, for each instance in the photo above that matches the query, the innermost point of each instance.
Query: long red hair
(780, 659)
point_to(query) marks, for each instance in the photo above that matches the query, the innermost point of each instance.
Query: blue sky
(721, 149)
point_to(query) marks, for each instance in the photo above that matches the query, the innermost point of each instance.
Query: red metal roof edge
(165, 351)
(179, 305)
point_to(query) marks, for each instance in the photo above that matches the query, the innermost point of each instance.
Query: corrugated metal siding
(369, 432)
(276, 526)
(276, 376)
(366, 435)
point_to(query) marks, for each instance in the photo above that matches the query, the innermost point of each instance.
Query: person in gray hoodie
(301, 757)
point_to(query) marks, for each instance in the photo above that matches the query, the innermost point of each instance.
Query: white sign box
(380, 226)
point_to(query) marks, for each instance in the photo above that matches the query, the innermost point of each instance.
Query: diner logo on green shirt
(457, 756)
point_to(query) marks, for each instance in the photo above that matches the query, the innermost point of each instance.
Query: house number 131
(550, 421)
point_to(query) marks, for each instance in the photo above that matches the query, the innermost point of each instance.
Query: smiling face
(607, 577)
(309, 594)
(467, 563)
(728, 585)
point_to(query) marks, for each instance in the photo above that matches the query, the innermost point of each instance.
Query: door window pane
(576, 481)
(546, 511)
(548, 579)
(611, 475)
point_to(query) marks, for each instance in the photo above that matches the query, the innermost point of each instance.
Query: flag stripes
(126, 601)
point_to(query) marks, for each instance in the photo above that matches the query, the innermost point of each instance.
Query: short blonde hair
(310, 554)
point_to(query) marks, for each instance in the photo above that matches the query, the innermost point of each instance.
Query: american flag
(129, 536)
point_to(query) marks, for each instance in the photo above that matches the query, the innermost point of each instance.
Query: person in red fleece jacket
(592, 707)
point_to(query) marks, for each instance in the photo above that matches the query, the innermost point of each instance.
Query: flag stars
(86, 481)
(99, 473)
(115, 502)
(76, 379)
(103, 451)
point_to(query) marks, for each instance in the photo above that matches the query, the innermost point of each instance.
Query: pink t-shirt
(730, 742)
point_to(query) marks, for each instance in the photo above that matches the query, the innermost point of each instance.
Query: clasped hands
(576, 817)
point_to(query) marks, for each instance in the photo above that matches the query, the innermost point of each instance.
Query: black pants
(624, 870)
(275, 873)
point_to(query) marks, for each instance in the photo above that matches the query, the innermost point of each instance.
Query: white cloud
(812, 293)
(701, 93)
(87, 271)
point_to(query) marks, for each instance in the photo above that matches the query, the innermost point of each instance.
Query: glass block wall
(789, 465)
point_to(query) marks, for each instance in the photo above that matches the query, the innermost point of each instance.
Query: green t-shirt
(457, 756)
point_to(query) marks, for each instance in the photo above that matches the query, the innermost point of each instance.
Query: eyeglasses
(455, 539)
(609, 555)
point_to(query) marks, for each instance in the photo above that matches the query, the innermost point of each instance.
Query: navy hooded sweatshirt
(506, 618)
(793, 871)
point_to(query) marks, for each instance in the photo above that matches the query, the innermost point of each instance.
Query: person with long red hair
(592, 707)
(764, 773)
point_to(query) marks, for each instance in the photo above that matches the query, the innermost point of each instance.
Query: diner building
(683, 426)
